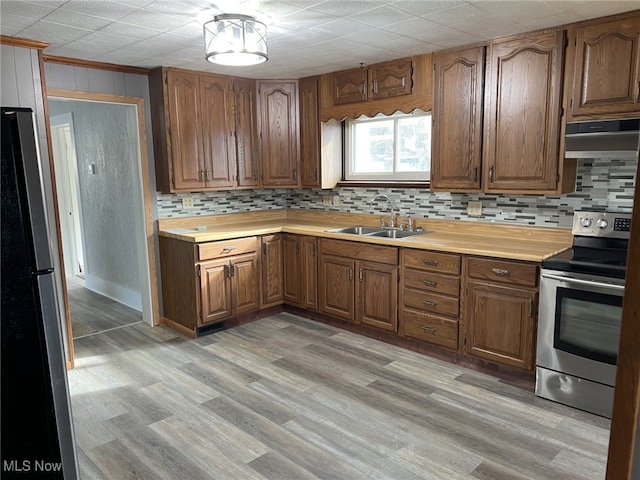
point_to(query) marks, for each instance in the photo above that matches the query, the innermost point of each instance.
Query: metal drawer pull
(429, 329)
(431, 283)
(430, 303)
(228, 249)
(427, 261)
(500, 272)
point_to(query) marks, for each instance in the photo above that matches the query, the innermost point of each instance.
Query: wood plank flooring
(288, 398)
(92, 312)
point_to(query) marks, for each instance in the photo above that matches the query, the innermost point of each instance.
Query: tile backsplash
(602, 184)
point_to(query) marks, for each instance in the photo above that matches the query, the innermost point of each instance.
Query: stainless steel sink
(375, 232)
(394, 234)
(357, 230)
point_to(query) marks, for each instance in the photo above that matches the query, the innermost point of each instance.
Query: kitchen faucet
(392, 206)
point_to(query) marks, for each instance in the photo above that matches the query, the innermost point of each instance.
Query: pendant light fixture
(236, 40)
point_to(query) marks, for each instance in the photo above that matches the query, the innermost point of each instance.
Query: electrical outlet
(187, 202)
(326, 200)
(474, 209)
(335, 200)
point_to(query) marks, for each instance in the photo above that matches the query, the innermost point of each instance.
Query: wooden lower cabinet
(300, 271)
(207, 283)
(272, 271)
(501, 313)
(356, 290)
(430, 296)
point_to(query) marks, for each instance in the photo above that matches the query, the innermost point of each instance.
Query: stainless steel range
(580, 314)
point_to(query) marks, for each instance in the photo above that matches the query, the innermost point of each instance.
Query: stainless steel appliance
(37, 430)
(580, 314)
(617, 139)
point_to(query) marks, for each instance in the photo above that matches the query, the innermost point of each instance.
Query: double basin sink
(375, 232)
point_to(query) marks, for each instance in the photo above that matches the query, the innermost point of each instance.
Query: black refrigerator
(36, 425)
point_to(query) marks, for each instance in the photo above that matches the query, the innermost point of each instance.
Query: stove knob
(585, 222)
(602, 223)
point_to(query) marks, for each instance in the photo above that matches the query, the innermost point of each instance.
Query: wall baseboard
(114, 291)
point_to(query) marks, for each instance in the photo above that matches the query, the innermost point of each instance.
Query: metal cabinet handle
(200, 175)
(530, 313)
(207, 175)
(431, 283)
(475, 174)
(350, 274)
(429, 329)
(363, 88)
(428, 261)
(375, 87)
(430, 303)
(228, 249)
(491, 174)
(315, 174)
(500, 272)
(361, 275)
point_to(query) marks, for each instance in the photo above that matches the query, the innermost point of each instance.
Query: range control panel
(601, 224)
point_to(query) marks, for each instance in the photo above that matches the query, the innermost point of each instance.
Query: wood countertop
(485, 239)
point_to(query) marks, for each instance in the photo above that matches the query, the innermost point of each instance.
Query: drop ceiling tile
(188, 8)
(15, 22)
(157, 21)
(129, 30)
(381, 16)
(102, 9)
(103, 39)
(54, 33)
(425, 8)
(11, 32)
(26, 9)
(76, 19)
(590, 8)
(191, 29)
(342, 8)
(414, 26)
(464, 13)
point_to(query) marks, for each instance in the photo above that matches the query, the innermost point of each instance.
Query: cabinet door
(350, 86)
(457, 122)
(522, 114)
(272, 275)
(292, 289)
(278, 103)
(391, 79)
(309, 132)
(607, 69)
(337, 289)
(246, 128)
(501, 324)
(378, 295)
(186, 134)
(216, 100)
(215, 291)
(245, 283)
(309, 274)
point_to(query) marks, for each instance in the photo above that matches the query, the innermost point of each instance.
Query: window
(396, 147)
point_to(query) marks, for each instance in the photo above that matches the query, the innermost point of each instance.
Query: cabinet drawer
(432, 261)
(226, 248)
(429, 328)
(359, 251)
(495, 270)
(433, 282)
(431, 302)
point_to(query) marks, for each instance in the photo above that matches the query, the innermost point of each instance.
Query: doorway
(105, 221)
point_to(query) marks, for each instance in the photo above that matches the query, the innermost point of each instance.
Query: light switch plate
(335, 200)
(326, 200)
(474, 209)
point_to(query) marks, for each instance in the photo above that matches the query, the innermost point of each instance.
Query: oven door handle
(583, 282)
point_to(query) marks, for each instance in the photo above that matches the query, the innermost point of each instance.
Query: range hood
(603, 139)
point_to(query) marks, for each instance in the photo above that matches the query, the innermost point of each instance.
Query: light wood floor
(289, 398)
(92, 312)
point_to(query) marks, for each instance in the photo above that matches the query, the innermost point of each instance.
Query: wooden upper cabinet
(186, 150)
(310, 153)
(279, 132)
(522, 114)
(246, 128)
(457, 120)
(391, 79)
(606, 76)
(351, 86)
(382, 80)
(218, 126)
(193, 130)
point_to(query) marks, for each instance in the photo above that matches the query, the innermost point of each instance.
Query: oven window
(588, 324)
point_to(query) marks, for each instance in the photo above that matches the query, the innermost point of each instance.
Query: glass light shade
(236, 40)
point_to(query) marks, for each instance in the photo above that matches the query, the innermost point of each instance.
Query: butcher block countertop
(486, 239)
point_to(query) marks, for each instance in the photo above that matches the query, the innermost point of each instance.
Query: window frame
(349, 176)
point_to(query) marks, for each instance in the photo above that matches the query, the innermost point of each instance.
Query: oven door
(579, 325)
